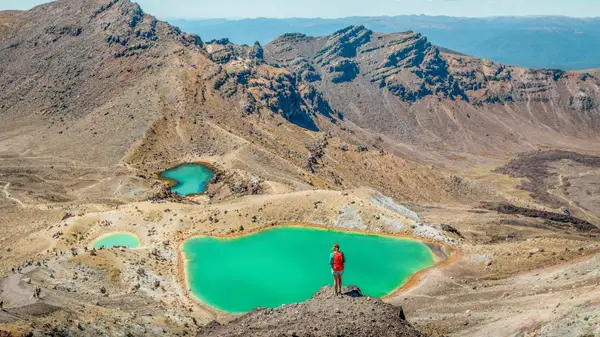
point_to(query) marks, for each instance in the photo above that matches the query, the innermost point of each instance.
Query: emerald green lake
(118, 239)
(190, 178)
(289, 264)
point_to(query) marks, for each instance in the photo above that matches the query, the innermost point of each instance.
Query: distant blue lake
(189, 178)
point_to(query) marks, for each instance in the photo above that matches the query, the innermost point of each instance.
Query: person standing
(336, 261)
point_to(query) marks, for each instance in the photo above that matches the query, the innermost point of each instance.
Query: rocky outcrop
(343, 44)
(276, 90)
(282, 91)
(220, 53)
(344, 70)
(315, 100)
(412, 69)
(325, 314)
(256, 52)
(582, 102)
(56, 33)
(486, 82)
(191, 39)
(131, 31)
(405, 64)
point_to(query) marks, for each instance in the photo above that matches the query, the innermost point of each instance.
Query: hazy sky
(341, 8)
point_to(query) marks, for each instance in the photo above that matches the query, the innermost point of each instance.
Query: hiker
(337, 260)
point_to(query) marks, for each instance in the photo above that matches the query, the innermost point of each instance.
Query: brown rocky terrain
(357, 130)
(325, 314)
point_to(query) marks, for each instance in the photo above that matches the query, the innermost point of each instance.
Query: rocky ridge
(355, 69)
(325, 314)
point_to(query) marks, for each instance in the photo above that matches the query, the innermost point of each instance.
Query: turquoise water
(283, 265)
(118, 239)
(190, 178)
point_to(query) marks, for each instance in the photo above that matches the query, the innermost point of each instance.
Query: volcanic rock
(325, 314)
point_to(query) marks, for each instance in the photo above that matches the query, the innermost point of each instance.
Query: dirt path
(9, 197)
(21, 204)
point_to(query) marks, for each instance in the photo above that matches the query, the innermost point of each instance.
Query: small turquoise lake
(117, 239)
(189, 178)
(288, 264)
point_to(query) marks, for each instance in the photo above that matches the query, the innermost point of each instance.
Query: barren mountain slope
(7, 18)
(108, 82)
(82, 70)
(402, 86)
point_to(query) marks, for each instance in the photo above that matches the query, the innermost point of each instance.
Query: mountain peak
(350, 29)
(344, 43)
(290, 37)
(95, 45)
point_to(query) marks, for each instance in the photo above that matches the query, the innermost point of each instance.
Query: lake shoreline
(172, 183)
(107, 235)
(443, 254)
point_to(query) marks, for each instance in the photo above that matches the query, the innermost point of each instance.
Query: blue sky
(342, 8)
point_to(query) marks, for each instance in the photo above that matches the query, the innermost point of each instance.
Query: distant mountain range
(533, 42)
